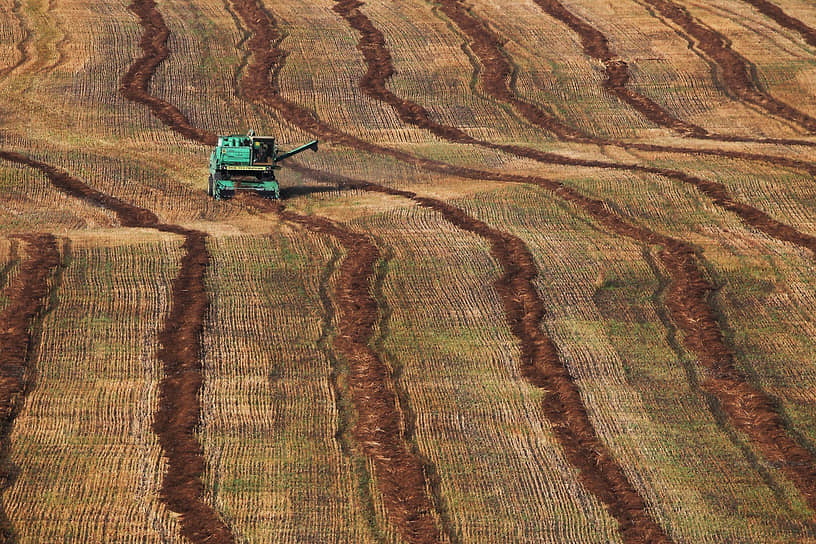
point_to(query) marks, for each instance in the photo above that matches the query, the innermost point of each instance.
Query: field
(551, 276)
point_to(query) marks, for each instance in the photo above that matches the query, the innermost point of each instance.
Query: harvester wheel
(210, 191)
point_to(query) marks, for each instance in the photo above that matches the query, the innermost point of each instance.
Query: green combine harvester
(247, 163)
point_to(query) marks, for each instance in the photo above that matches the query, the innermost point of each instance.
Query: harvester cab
(248, 162)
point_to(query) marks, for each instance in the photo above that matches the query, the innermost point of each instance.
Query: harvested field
(549, 278)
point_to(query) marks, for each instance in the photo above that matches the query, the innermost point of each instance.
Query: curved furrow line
(596, 46)
(399, 473)
(26, 301)
(750, 410)
(497, 81)
(776, 13)
(380, 68)
(378, 425)
(737, 72)
(134, 84)
(179, 412)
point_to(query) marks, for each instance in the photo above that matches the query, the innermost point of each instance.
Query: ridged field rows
(473, 415)
(27, 201)
(88, 465)
(783, 65)
(608, 318)
(274, 421)
(656, 56)
(737, 73)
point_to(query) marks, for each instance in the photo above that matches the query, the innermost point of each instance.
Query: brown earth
(776, 13)
(735, 70)
(179, 412)
(26, 300)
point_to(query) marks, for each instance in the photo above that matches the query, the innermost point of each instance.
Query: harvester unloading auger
(247, 163)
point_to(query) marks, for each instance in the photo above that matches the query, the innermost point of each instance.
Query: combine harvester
(247, 163)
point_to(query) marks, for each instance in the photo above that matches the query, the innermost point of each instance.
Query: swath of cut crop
(134, 84)
(776, 13)
(26, 296)
(377, 430)
(179, 410)
(735, 69)
(22, 45)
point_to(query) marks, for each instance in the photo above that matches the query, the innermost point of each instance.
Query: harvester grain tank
(247, 163)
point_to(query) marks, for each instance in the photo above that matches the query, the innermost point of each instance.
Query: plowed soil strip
(26, 297)
(377, 430)
(774, 12)
(735, 70)
(179, 412)
(135, 82)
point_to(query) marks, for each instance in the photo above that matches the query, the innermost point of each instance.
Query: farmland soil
(26, 298)
(772, 11)
(179, 412)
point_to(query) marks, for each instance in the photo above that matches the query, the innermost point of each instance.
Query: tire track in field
(179, 412)
(772, 11)
(18, 330)
(750, 410)
(380, 68)
(134, 84)
(737, 72)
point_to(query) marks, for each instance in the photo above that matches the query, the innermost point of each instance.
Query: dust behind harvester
(247, 163)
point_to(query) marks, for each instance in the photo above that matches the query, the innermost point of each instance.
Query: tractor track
(179, 412)
(772, 11)
(18, 331)
(750, 410)
(380, 68)
(737, 72)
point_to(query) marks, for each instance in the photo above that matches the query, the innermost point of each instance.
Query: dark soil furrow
(179, 412)
(751, 410)
(776, 13)
(377, 428)
(22, 45)
(134, 84)
(26, 300)
(736, 71)
(596, 46)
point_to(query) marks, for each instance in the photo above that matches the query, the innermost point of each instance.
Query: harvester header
(248, 162)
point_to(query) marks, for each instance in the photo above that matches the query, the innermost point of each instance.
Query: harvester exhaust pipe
(311, 145)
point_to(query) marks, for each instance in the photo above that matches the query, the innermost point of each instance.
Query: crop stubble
(751, 411)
